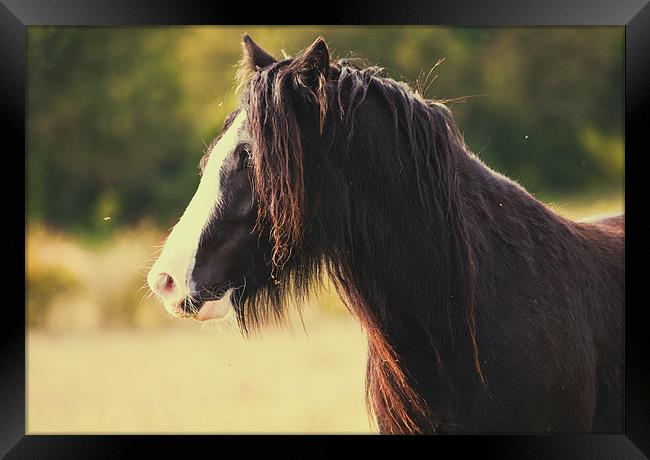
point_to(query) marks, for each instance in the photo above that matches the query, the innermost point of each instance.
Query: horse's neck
(429, 332)
(498, 210)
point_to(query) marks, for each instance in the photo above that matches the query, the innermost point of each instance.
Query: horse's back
(605, 233)
(610, 223)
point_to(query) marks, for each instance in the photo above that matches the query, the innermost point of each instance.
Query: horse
(484, 310)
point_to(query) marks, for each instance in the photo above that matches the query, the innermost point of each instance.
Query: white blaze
(178, 256)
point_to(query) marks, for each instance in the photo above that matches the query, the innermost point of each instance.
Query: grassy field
(192, 380)
(101, 359)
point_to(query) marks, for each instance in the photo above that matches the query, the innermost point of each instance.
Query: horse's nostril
(165, 284)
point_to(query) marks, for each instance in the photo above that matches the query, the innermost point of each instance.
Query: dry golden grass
(187, 379)
(101, 360)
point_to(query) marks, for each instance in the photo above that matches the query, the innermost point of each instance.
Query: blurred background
(118, 119)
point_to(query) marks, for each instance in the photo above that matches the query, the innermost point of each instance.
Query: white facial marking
(179, 254)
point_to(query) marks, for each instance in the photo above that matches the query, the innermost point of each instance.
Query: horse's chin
(215, 309)
(209, 310)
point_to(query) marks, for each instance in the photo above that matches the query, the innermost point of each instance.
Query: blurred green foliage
(119, 117)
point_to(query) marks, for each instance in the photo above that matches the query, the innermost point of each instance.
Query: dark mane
(423, 139)
(447, 265)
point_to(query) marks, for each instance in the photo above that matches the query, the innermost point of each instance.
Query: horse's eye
(243, 157)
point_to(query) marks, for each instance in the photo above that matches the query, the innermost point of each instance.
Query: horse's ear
(313, 63)
(255, 57)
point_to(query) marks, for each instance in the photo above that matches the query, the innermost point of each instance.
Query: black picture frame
(634, 15)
